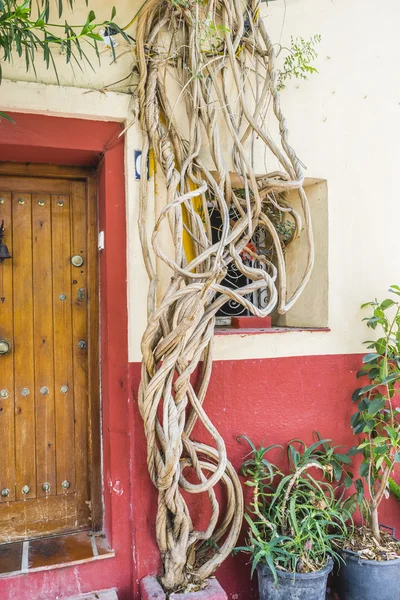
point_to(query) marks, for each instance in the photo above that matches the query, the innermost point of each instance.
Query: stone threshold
(102, 595)
(53, 552)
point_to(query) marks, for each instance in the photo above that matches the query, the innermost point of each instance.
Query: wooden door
(48, 317)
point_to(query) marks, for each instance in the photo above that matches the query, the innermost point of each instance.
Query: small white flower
(108, 40)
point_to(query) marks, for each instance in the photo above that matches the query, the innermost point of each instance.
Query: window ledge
(49, 553)
(268, 330)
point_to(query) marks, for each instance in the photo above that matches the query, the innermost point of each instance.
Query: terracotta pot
(150, 589)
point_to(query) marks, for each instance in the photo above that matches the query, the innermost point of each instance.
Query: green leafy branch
(299, 60)
(25, 34)
(378, 414)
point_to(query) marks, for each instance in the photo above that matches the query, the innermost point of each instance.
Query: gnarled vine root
(220, 56)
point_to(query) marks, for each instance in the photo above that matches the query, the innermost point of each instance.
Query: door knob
(5, 347)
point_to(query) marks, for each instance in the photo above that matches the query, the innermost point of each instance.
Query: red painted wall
(55, 140)
(271, 401)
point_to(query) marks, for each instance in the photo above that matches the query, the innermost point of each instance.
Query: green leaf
(4, 115)
(337, 470)
(356, 394)
(392, 433)
(363, 404)
(379, 462)
(360, 490)
(372, 373)
(372, 357)
(348, 481)
(390, 378)
(380, 345)
(295, 456)
(359, 428)
(95, 36)
(344, 458)
(353, 451)
(364, 469)
(386, 304)
(380, 439)
(372, 322)
(368, 427)
(397, 457)
(368, 388)
(361, 373)
(113, 13)
(376, 405)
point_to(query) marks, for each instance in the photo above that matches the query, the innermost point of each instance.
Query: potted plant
(295, 519)
(372, 569)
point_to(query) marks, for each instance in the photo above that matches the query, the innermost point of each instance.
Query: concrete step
(103, 595)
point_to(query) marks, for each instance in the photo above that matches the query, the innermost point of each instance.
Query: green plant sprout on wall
(298, 62)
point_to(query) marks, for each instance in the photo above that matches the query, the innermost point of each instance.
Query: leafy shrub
(295, 520)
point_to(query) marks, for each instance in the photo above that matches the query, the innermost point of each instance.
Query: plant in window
(265, 248)
(296, 519)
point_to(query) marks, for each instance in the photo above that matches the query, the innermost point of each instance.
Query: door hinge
(100, 243)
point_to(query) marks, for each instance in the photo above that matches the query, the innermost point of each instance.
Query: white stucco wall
(344, 124)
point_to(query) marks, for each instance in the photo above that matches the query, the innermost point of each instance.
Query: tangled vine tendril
(221, 57)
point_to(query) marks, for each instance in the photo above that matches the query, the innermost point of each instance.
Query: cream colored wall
(344, 125)
(311, 309)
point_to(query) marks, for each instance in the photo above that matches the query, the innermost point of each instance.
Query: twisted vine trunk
(173, 44)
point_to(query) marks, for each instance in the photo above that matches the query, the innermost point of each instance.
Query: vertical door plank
(93, 358)
(7, 461)
(63, 376)
(80, 333)
(43, 343)
(23, 347)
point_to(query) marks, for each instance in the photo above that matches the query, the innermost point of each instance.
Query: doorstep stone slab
(150, 589)
(103, 595)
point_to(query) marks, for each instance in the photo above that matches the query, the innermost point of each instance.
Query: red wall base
(271, 401)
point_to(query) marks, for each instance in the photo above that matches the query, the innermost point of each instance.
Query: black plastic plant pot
(368, 579)
(293, 586)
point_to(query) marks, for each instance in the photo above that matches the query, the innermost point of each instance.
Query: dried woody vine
(210, 49)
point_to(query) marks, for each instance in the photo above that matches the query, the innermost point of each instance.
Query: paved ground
(104, 595)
